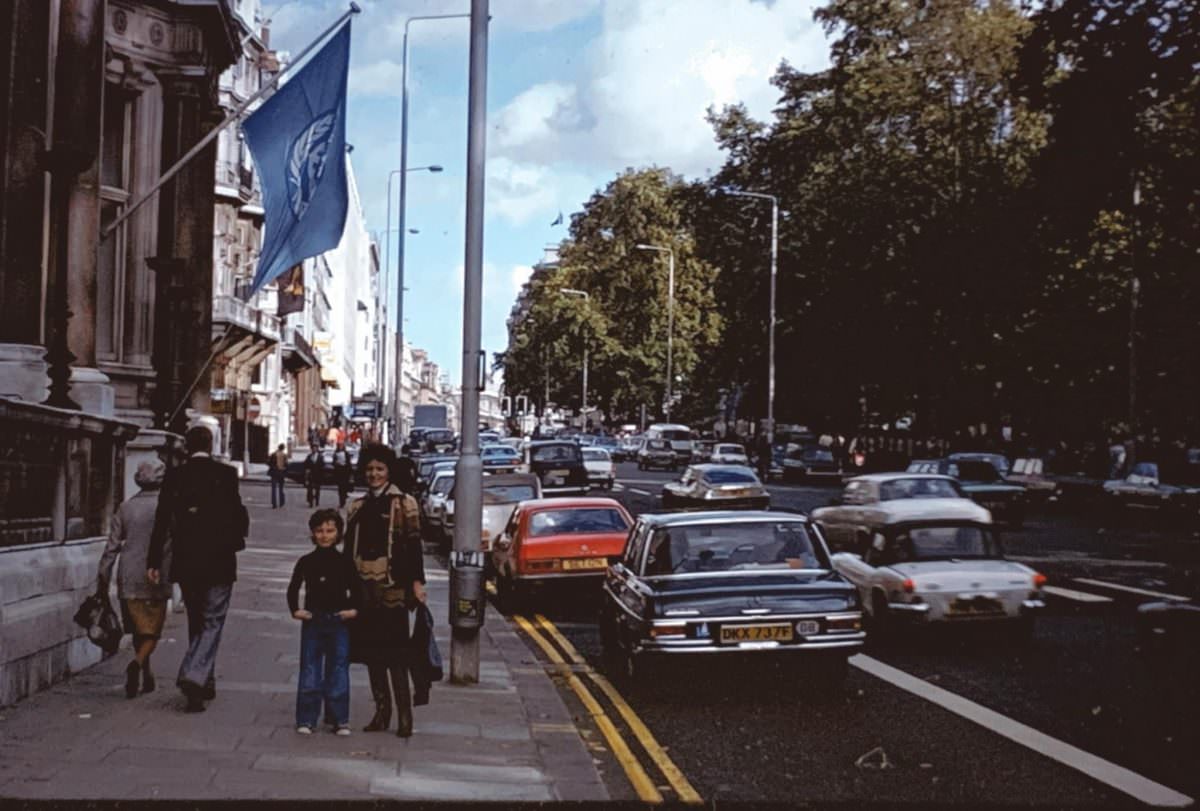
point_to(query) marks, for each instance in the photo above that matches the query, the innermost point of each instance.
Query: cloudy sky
(578, 90)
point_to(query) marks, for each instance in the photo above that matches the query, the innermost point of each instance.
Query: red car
(557, 539)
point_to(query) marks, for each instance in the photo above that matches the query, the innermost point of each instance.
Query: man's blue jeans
(324, 670)
(277, 498)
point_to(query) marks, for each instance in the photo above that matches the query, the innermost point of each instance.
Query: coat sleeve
(116, 541)
(240, 515)
(293, 589)
(408, 557)
(162, 520)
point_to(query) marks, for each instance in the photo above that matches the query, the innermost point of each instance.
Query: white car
(600, 467)
(876, 500)
(501, 494)
(941, 570)
(441, 490)
(725, 453)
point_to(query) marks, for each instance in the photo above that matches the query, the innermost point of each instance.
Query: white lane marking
(617, 487)
(639, 492)
(1077, 596)
(1112, 775)
(1104, 584)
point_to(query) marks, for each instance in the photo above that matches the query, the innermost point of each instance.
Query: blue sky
(578, 90)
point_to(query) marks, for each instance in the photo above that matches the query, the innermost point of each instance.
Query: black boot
(147, 677)
(404, 719)
(132, 671)
(383, 699)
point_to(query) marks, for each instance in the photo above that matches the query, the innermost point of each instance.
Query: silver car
(501, 494)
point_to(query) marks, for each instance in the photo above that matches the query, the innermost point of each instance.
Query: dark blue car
(499, 459)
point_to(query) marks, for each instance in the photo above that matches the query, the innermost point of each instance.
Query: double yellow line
(646, 790)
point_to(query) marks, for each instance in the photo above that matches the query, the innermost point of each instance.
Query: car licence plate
(732, 634)
(585, 564)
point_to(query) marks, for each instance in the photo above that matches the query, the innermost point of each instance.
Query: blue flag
(298, 140)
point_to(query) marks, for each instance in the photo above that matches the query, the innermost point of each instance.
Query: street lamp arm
(758, 194)
(411, 20)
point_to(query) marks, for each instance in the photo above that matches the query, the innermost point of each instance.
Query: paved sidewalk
(509, 738)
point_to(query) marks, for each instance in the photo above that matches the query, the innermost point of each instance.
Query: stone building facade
(103, 339)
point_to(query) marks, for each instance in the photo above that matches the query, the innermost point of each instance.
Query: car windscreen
(916, 488)
(676, 435)
(730, 476)
(569, 521)
(739, 546)
(736, 449)
(943, 543)
(657, 445)
(595, 455)
(508, 493)
(556, 453)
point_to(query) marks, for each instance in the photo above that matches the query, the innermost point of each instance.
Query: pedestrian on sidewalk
(314, 469)
(342, 473)
(201, 513)
(143, 604)
(332, 596)
(383, 539)
(277, 469)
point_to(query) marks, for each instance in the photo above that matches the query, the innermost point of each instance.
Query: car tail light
(542, 565)
(908, 585)
(1039, 580)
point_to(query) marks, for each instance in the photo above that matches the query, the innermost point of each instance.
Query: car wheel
(881, 615)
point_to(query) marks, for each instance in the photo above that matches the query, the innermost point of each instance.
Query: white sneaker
(304, 730)
(343, 731)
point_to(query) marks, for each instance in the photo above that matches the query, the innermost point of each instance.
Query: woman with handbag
(383, 539)
(143, 604)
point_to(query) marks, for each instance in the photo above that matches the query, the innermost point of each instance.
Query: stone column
(183, 320)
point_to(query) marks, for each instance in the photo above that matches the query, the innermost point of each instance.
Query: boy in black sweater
(332, 596)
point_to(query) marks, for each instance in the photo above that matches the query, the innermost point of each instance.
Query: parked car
(501, 494)
(982, 482)
(499, 459)
(600, 468)
(755, 583)
(869, 503)
(802, 463)
(996, 460)
(550, 540)
(656, 453)
(559, 466)
(717, 487)
(433, 505)
(427, 466)
(1143, 489)
(727, 453)
(930, 568)
(1030, 472)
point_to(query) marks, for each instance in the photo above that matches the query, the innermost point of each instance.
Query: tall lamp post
(670, 312)
(771, 320)
(387, 256)
(567, 291)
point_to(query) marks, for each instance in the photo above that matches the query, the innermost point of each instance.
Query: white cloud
(518, 191)
(651, 75)
(518, 276)
(382, 78)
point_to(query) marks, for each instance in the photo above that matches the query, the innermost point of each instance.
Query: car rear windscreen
(730, 476)
(508, 493)
(556, 453)
(738, 546)
(568, 521)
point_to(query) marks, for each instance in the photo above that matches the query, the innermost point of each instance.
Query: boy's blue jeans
(324, 670)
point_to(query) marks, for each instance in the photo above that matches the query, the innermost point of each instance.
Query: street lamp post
(403, 172)
(771, 321)
(670, 312)
(387, 257)
(567, 291)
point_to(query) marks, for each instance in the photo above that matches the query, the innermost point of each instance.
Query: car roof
(542, 443)
(712, 467)
(900, 474)
(674, 519)
(578, 502)
(904, 510)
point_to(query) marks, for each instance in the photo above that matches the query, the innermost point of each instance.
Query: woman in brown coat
(383, 539)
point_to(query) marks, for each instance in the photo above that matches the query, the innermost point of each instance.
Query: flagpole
(229, 119)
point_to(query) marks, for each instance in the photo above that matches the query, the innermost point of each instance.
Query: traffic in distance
(773, 596)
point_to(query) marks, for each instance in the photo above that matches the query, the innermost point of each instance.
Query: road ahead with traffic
(1079, 714)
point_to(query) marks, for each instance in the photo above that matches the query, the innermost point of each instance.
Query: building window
(114, 196)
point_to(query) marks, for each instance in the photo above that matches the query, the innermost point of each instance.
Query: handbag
(97, 617)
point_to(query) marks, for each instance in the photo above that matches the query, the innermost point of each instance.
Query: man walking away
(342, 473)
(277, 469)
(314, 469)
(201, 512)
